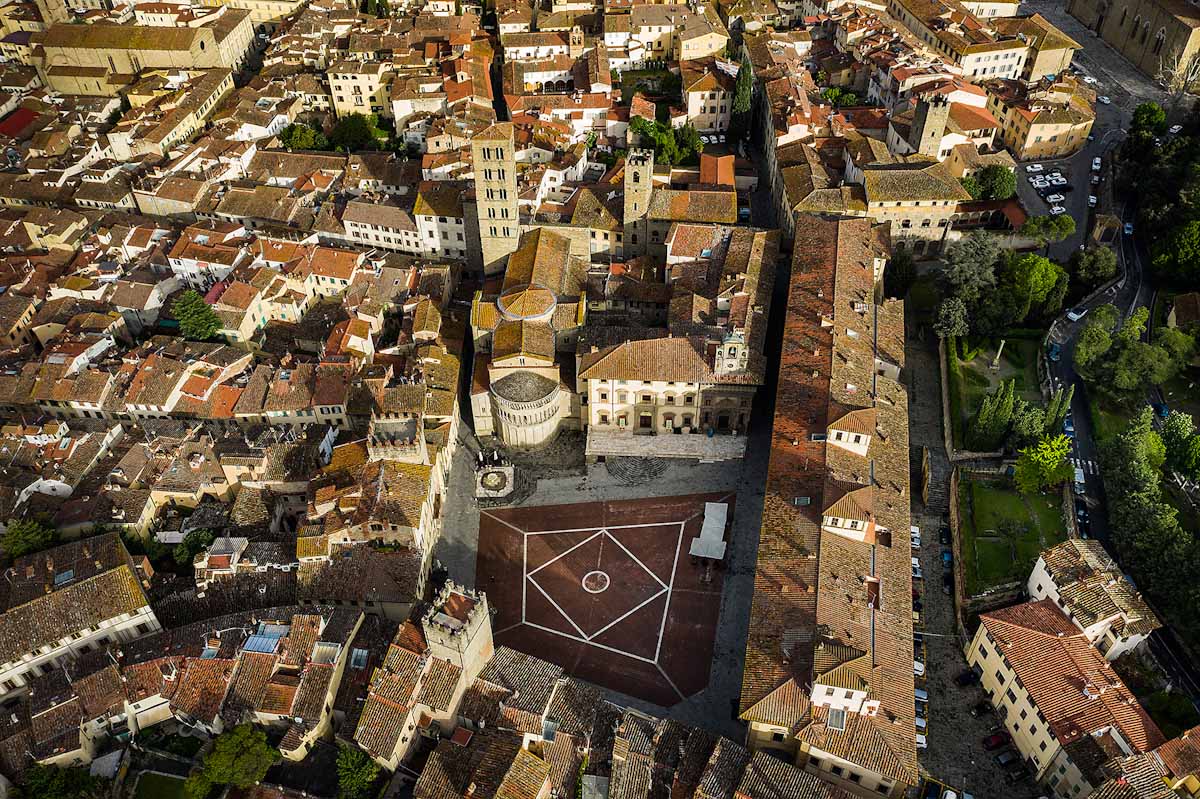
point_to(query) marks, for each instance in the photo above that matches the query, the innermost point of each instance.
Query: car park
(1033, 167)
(1075, 314)
(1055, 198)
(1057, 210)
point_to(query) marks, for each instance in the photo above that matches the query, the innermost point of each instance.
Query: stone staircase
(939, 483)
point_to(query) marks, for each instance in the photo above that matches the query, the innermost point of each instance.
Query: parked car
(1069, 424)
(1081, 509)
(1092, 200)
(917, 574)
(995, 741)
(914, 534)
(1055, 210)
(1095, 180)
(947, 583)
(1104, 100)
(918, 668)
(1175, 129)
(1033, 167)
(1056, 180)
(1160, 409)
(965, 678)
(917, 606)
(1055, 198)
(1075, 314)
(1006, 756)
(1089, 80)
(922, 742)
(1096, 164)
(981, 708)
(1128, 228)
(947, 561)
(1080, 485)
(944, 535)
(1054, 353)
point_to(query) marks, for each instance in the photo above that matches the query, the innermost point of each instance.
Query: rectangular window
(837, 719)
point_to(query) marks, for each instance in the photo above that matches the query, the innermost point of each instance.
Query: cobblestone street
(955, 755)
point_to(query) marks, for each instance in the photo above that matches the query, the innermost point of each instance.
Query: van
(921, 694)
(1080, 484)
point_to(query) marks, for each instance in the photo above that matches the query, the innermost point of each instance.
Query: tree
(192, 544)
(240, 757)
(1149, 117)
(743, 94)
(1057, 409)
(1177, 257)
(899, 275)
(303, 137)
(197, 320)
(22, 536)
(1047, 229)
(1179, 345)
(1178, 74)
(1178, 430)
(53, 782)
(996, 182)
(951, 318)
(1043, 465)
(972, 186)
(1091, 347)
(1028, 425)
(991, 423)
(356, 132)
(1093, 266)
(839, 97)
(971, 266)
(356, 773)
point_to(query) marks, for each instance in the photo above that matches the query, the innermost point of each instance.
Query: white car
(1096, 164)
(1174, 129)
(1095, 180)
(918, 668)
(1056, 198)
(1075, 314)
(1055, 210)
(1089, 80)
(1057, 180)
(1033, 167)
(1092, 200)
(1103, 100)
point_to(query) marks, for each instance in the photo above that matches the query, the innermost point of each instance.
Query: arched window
(1159, 38)
(1124, 13)
(1145, 30)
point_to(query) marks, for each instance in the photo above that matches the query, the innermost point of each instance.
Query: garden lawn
(159, 786)
(988, 559)
(975, 378)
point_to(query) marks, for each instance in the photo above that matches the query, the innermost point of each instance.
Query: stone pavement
(955, 755)
(716, 706)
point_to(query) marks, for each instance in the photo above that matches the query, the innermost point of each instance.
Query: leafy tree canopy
(951, 318)
(53, 782)
(240, 757)
(1093, 266)
(355, 132)
(996, 182)
(23, 536)
(1149, 117)
(197, 320)
(303, 137)
(356, 773)
(1177, 257)
(1044, 464)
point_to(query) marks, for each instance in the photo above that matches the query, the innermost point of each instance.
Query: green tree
(743, 95)
(1178, 430)
(1058, 408)
(1177, 257)
(972, 186)
(355, 132)
(240, 758)
(303, 137)
(197, 320)
(1043, 465)
(1091, 347)
(991, 422)
(839, 97)
(970, 271)
(1093, 266)
(1047, 229)
(1179, 345)
(356, 773)
(22, 536)
(192, 544)
(1028, 425)
(688, 144)
(899, 275)
(951, 318)
(1149, 117)
(53, 782)
(996, 182)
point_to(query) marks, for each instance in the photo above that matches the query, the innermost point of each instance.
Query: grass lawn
(988, 560)
(159, 786)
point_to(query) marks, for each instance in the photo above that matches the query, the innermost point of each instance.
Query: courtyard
(991, 556)
(607, 590)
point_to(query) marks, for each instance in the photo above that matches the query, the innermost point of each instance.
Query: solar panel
(261, 643)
